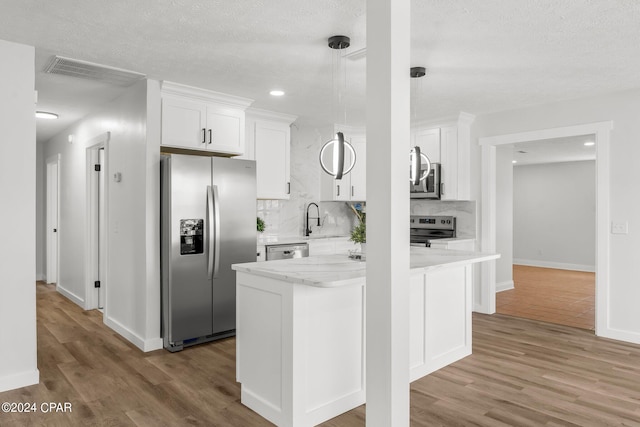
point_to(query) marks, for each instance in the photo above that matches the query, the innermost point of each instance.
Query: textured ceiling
(481, 56)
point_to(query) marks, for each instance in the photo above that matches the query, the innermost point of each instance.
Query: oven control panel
(435, 222)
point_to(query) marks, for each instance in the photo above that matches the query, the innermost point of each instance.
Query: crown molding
(177, 89)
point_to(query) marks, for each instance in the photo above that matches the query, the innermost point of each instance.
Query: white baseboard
(551, 264)
(144, 345)
(22, 379)
(70, 295)
(504, 286)
(618, 334)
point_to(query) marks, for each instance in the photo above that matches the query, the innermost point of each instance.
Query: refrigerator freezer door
(187, 291)
(235, 181)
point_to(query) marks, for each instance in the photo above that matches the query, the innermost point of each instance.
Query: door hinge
(96, 284)
(96, 168)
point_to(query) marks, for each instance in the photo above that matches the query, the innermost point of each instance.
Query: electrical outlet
(620, 227)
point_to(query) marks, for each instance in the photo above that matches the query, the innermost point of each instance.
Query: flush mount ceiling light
(589, 143)
(338, 143)
(514, 161)
(46, 115)
(420, 163)
(276, 92)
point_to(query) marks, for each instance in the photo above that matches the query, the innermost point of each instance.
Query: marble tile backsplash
(464, 211)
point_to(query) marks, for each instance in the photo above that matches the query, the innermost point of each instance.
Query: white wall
(504, 218)
(555, 215)
(18, 358)
(623, 110)
(133, 285)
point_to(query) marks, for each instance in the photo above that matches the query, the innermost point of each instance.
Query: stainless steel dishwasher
(286, 251)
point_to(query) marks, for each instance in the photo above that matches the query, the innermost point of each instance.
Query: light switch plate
(620, 227)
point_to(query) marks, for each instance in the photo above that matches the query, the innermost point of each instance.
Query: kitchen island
(300, 329)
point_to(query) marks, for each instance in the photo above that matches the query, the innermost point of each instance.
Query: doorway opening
(97, 243)
(546, 230)
(52, 215)
(485, 297)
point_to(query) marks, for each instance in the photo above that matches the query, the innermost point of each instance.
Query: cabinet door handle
(338, 190)
(352, 190)
(204, 135)
(288, 187)
(210, 137)
(442, 188)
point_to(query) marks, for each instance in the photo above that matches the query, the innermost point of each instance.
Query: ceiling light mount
(417, 72)
(339, 42)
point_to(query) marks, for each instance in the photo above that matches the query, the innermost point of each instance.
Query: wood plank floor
(522, 373)
(564, 297)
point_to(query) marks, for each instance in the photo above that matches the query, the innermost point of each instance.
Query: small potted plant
(359, 233)
(260, 224)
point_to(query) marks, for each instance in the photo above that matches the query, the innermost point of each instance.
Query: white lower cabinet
(301, 356)
(330, 246)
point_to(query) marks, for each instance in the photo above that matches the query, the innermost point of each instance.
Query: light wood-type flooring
(522, 373)
(564, 297)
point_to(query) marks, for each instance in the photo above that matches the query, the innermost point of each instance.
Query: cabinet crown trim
(170, 88)
(259, 114)
(461, 119)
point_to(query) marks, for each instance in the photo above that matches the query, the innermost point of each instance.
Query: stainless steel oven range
(424, 229)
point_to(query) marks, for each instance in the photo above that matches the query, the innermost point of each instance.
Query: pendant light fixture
(338, 143)
(418, 172)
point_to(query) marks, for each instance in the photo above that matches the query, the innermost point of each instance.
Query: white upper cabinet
(352, 186)
(429, 142)
(269, 144)
(450, 145)
(198, 119)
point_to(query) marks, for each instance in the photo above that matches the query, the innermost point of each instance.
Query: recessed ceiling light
(45, 115)
(276, 92)
(514, 161)
(589, 143)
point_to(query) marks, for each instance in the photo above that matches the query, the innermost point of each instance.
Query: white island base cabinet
(301, 349)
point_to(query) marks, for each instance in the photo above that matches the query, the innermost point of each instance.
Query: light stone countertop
(339, 270)
(287, 240)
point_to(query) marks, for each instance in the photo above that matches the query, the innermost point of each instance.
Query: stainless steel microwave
(429, 188)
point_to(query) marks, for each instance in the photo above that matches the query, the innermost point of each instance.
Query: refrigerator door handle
(216, 228)
(210, 232)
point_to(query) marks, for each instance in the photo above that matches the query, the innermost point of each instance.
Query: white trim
(176, 89)
(617, 334)
(556, 265)
(144, 345)
(488, 233)
(40, 277)
(260, 115)
(19, 380)
(70, 295)
(93, 145)
(504, 286)
(57, 160)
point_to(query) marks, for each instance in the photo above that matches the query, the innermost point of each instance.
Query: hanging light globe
(338, 145)
(418, 171)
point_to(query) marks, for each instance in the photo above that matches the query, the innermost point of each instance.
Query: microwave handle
(442, 188)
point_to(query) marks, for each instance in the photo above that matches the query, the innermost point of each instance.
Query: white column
(18, 359)
(388, 91)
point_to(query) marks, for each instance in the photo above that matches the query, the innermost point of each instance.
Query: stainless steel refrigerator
(208, 221)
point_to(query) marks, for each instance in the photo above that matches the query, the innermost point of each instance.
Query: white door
(52, 220)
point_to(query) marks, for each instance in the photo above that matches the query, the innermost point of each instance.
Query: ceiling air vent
(91, 71)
